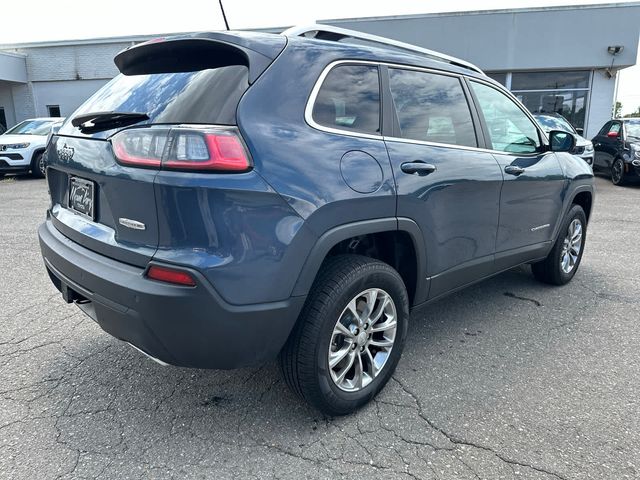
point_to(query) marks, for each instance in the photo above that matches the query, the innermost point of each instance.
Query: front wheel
(617, 172)
(350, 335)
(564, 259)
(38, 167)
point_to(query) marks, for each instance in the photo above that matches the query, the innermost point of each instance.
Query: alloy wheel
(362, 339)
(617, 171)
(571, 246)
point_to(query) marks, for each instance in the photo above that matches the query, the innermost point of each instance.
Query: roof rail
(329, 32)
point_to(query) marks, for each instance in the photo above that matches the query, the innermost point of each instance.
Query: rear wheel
(350, 335)
(617, 172)
(38, 167)
(564, 259)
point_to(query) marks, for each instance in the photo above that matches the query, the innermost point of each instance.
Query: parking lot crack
(537, 303)
(460, 441)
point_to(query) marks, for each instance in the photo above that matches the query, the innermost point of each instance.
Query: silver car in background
(583, 148)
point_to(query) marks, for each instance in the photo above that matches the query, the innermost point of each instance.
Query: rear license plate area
(82, 197)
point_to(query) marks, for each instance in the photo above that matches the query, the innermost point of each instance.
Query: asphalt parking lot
(508, 379)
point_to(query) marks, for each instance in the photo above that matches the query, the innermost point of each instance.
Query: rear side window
(431, 108)
(349, 99)
(208, 96)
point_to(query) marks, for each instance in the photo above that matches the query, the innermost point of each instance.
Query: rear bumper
(183, 326)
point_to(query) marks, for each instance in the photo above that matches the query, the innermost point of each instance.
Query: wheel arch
(35, 152)
(580, 193)
(408, 255)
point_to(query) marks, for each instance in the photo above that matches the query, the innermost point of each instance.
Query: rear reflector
(169, 275)
(182, 148)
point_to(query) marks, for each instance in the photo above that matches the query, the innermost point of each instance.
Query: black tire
(1, 176)
(618, 176)
(37, 166)
(304, 359)
(549, 270)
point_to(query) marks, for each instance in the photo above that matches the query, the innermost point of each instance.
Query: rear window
(349, 99)
(208, 96)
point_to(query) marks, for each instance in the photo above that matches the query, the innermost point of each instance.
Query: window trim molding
(475, 122)
(542, 136)
(308, 111)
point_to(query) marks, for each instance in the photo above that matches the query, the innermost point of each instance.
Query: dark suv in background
(617, 150)
(232, 197)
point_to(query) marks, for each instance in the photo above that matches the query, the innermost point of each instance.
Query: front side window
(604, 129)
(615, 128)
(431, 108)
(510, 130)
(349, 99)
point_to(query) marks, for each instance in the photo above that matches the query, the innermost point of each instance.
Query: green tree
(617, 110)
(635, 114)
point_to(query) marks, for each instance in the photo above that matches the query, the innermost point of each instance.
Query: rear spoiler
(190, 53)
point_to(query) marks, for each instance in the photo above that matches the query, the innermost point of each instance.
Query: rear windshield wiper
(99, 121)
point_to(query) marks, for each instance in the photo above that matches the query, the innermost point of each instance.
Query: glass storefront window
(550, 80)
(571, 104)
(563, 92)
(499, 77)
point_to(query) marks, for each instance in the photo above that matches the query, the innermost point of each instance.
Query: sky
(77, 19)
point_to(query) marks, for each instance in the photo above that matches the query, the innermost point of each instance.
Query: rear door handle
(419, 168)
(513, 170)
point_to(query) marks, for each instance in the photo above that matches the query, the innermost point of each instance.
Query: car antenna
(224, 15)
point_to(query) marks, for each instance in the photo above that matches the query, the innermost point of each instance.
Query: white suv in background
(22, 146)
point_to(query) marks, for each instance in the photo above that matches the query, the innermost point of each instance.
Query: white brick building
(551, 58)
(42, 79)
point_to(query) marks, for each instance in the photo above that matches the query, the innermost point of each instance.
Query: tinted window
(206, 96)
(604, 129)
(510, 130)
(431, 108)
(349, 99)
(54, 110)
(615, 128)
(549, 80)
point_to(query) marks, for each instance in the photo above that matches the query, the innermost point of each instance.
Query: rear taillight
(182, 148)
(170, 275)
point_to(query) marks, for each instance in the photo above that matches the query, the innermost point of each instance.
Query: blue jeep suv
(233, 197)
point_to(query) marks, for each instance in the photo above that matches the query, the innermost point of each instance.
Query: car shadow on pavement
(109, 400)
(107, 375)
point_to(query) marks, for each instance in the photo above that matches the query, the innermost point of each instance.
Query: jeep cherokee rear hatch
(172, 108)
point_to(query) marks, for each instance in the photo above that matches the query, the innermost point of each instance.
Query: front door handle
(513, 170)
(420, 168)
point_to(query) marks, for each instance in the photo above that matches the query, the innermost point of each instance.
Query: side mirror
(580, 131)
(561, 141)
(613, 134)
